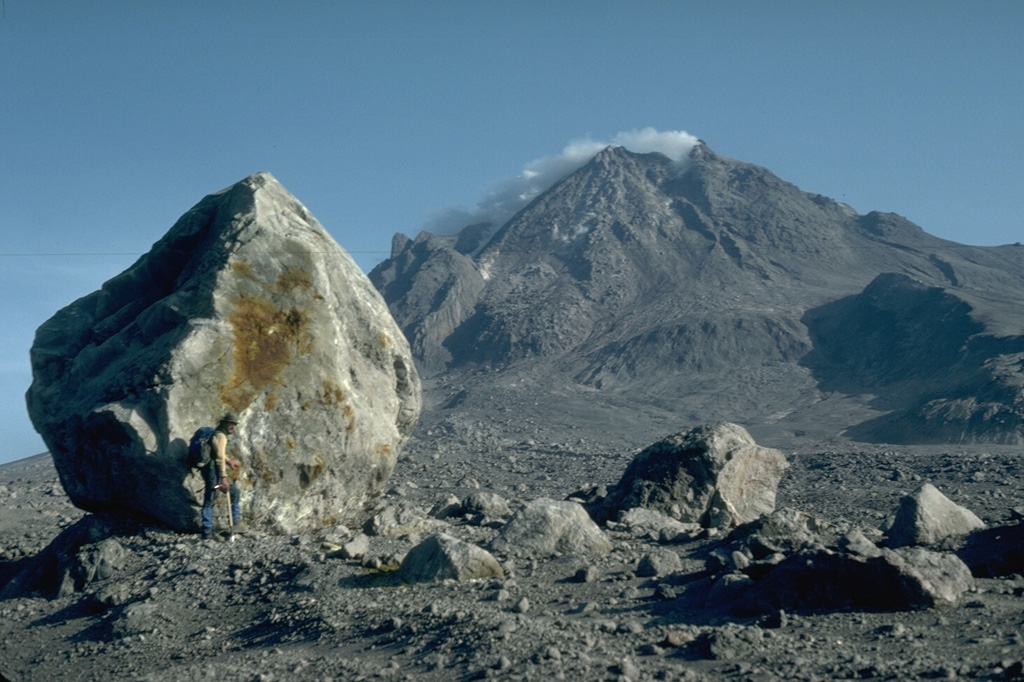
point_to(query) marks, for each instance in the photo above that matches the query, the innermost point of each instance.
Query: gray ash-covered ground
(275, 607)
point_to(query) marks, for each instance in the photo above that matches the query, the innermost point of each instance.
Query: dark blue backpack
(197, 447)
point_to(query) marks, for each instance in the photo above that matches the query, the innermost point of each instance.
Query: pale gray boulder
(442, 557)
(547, 527)
(658, 563)
(486, 506)
(355, 548)
(246, 304)
(855, 542)
(640, 520)
(715, 475)
(927, 517)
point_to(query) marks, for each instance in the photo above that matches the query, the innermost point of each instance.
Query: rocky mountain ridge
(711, 289)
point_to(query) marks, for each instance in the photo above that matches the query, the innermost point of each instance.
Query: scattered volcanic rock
(715, 475)
(928, 517)
(546, 527)
(246, 304)
(136, 600)
(792, 560)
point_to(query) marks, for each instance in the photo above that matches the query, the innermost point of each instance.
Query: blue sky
(117, 117)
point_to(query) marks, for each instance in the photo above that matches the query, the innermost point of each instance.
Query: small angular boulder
(488, 506)
(785, 531)
(403, 518)
(137, 618)
(640, 520)
(658, 563)
(928, 517)
(101, 560)
(546, 527)
(246, 304)
(442, 557)
(355, 548)
(728, 587)
(855, 542)
(714, 475)
(445, 508)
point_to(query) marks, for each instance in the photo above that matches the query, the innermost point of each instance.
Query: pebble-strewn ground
(281, 608)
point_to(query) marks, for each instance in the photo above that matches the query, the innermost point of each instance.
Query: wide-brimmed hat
(229, 418)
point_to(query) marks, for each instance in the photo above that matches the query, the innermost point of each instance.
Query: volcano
(642, 293)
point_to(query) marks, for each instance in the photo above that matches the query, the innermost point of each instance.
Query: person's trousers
(210, 497)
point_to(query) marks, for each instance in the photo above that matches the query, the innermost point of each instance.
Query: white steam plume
(512, 194)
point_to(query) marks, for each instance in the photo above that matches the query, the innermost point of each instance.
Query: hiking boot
(239, 527)
(207, 533)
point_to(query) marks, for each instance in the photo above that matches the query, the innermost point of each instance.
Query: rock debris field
(667, 600)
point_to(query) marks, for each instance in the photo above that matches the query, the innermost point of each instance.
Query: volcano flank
(640, 291)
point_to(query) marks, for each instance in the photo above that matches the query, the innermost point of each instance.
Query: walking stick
(231, 516)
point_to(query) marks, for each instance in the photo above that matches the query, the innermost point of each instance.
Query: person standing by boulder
(217, 475)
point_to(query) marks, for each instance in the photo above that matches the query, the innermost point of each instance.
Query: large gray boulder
(928, 517)
(246, 304)
(715, 475)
